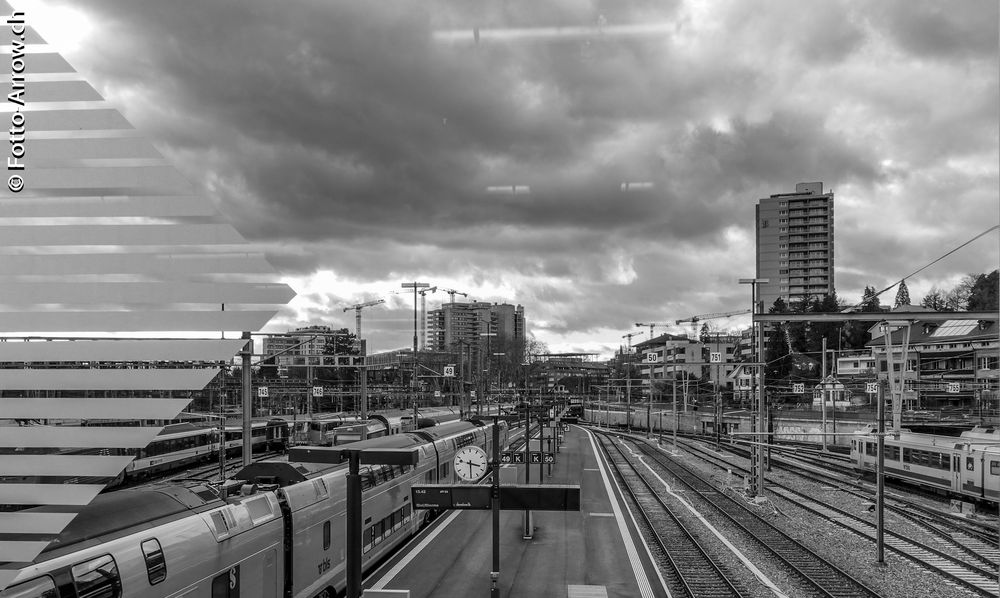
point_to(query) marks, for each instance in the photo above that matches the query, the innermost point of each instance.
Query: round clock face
(470, 463)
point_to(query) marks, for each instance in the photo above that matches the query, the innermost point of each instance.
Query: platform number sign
(535, 457)
(506, 457)
(715, 357)
(317, 391)
(437, 393)
(549, 458)
(798, 387)
(871, 387)
(262, 392)
(449, 370)
(954, 387)
(652, 357)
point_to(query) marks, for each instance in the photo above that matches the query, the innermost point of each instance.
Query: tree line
(794, 349)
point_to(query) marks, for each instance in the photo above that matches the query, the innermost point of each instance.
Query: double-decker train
(181, 445)
(335, 431)
(282, 535)
(967, 465)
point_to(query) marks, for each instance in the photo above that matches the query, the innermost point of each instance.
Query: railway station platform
(593, 552)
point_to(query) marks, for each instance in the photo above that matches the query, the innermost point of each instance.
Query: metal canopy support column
(354, 525)
(247, 400)
(823, 394)
(896, 383)
(757, 451)
(880, 481)
(495, 507)
(363, 379)
(354, 513)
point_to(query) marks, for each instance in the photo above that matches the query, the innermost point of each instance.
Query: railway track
(814, 574)
(968, 574)
(977, 535)
(964, 558)
(693, 571)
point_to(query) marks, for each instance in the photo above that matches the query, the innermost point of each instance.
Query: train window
(366, 540)
(397, 519)
(970, 464)
(156, 564)
(259, 509)
(41, 587)
(326, 535)
(97, 578)
(994, 467)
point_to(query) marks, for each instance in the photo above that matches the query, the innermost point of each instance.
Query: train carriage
(168, 541)
(281, 535)
(967, 465)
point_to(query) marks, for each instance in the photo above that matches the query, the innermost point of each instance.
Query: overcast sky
(355, 141)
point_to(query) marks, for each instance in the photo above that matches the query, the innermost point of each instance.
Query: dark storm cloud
(339, 122)
(941, 30)
(348, 140)
(334, 121)
(784, 148)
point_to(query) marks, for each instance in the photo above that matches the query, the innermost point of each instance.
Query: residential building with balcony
(464, 324)
(671, 356)
(795, 245)
(568, 373)
(950, 364)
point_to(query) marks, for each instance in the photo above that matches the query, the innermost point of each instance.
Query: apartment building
(795, 244)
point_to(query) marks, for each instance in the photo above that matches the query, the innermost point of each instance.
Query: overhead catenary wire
(922, 268)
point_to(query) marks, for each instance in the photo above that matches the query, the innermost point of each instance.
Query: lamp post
(499, 371)
(757, 452)
(413, 380)
(485, 372)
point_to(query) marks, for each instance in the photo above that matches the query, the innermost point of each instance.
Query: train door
(269, 584)
(956, 472)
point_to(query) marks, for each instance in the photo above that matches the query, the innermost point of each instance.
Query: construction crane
(453, 292)
(695, 319)
(357, 314)
(629, 337)
(652, 326)
(423, 313)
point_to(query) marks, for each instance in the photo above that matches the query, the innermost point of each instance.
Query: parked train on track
(330, 432)
(282, 536)
(966, 465)
(181, 445)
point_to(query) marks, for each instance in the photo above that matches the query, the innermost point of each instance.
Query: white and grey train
(283, 535)
(967, 465)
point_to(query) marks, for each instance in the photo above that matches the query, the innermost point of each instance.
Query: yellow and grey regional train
(283, 535)
(966, 465)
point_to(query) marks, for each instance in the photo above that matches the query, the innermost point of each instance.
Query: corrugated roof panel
(121, 350)
(148, 248)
